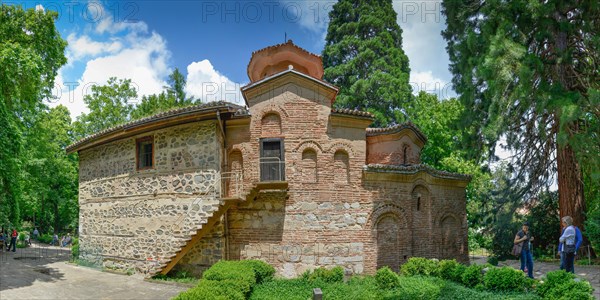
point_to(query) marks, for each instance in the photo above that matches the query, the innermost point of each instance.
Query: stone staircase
(204, 226)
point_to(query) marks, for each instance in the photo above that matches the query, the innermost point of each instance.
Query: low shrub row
(230, 280)
(558, 284)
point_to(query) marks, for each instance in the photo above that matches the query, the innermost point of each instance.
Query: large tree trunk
(571, 201)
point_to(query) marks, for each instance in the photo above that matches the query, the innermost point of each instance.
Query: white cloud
(207, 84)
(427, 82)
(131, 53)
(84, 46)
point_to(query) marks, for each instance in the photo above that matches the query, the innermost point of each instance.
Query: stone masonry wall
(332, 216)
(132, 219)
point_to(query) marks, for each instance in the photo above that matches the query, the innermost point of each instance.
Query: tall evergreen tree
(363, 56)
(528, 70)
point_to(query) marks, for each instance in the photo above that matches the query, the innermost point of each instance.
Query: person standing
(524, 236)
(36, 234)
(578, 241)
(568, 240)
(13, 241)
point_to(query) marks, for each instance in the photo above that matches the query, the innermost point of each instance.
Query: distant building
(288, 180)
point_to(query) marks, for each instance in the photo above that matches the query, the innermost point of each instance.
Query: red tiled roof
(397, 128)
(150, 119)
(353, 112)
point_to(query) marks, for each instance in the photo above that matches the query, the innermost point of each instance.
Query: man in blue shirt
(578, 241)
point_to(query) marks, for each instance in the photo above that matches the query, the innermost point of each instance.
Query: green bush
(217, 290)
(231, 270)
(420, 266)
(472, 275)
(504, 279)
(75, 248)
(387, 279)
(263, 271)
(563, 285)
(45, 238)
(553, 279)
(288, 289)
(327, 275)
(451, 270)
(416, 287)
(573, 290)
(493, 260)
(21, 237)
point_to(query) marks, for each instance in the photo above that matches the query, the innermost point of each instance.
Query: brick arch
(386, 209)
(271, 124)
(451, 243)
(445, 212)
(335, 147)
(310, 144)
(420, 201)
(309, 165)
(272, 108)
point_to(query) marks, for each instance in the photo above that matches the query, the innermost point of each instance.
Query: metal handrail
(272, 161)
(232, 184)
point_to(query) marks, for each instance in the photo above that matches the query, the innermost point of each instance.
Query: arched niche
(341, 162)
(308, 166)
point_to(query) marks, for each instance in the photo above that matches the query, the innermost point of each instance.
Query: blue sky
(211, 42)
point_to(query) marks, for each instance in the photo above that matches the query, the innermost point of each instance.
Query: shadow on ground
(27, 265)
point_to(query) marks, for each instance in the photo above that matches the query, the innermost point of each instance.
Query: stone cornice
(415, 169)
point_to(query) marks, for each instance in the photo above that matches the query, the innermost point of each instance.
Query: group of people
(569, 243)
(10, 240)
(13, 240)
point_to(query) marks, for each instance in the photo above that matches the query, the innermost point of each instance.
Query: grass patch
(180, 277)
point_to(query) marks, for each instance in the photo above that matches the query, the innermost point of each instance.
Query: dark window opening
(272, 164)
(419, 203)
(145, 153)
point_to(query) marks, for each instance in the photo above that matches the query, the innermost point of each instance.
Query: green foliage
(231, 270)
(215, 289)
(451, 270)
(21, 236)
(592, 228)
(387, 279)
(493, 260)
(363, 56)
(31, 52)
(75, 249)
(473, 275)
(545, 223)
(288, 289)
(521, 68)
(45, 238)
(553, 280)
(562, 285)
(335, 274)
(230, 280)
(263, 271)
(505, 279)
(420, 266)
(418, 287)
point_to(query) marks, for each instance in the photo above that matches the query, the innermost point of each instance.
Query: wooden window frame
(282, 153)
(137, 152)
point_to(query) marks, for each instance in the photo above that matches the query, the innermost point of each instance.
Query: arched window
(271, 125)
(405, 154)
(309, 166)
(342, 167)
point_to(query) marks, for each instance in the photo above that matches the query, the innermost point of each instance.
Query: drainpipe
(225, 223)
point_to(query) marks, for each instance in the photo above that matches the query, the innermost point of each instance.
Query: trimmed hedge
(387, 279)
(451, 270)
(231, 280)
(420, 266)
(473, 275)
(562, 285)
(504, 279)
(326, 275)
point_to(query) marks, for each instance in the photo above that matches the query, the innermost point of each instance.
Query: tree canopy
(363, 56)
(528, 71)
